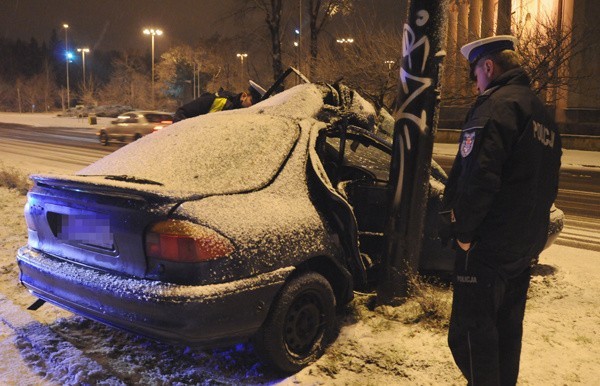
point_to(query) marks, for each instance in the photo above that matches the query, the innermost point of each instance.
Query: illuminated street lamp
(345, 41)
(389, 63)
(153, 32)
(242, 56)
(83, 52)
(67, 58)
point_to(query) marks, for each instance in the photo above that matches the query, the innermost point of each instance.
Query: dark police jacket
(207, 103)
(505, 176)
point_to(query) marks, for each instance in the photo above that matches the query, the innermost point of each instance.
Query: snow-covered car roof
(218, 153)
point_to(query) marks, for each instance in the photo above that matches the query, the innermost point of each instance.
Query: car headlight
(186, 242)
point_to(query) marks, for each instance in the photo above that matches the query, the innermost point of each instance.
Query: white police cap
(475, 50)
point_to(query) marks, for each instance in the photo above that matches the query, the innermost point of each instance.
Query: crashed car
(252, 223)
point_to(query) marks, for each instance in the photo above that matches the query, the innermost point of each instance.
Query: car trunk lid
(96, 226)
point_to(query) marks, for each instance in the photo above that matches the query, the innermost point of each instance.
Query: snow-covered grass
(12, 178)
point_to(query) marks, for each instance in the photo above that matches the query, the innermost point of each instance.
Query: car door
(357, 164)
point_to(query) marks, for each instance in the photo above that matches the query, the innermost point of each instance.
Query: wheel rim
(303, 324)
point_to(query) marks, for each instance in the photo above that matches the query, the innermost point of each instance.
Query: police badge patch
(467, 143)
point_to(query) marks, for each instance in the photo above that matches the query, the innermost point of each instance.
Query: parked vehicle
(133, 125)
(253, 223)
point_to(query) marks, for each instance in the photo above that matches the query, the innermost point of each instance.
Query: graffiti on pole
(418, 107)
(414, 50)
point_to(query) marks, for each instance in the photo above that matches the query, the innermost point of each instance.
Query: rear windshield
(212, 154)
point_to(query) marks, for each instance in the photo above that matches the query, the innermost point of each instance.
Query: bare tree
(31, 93)
(271, 11)
(7, 97)
(369, 65)
(546, 47)
(320, 12)
(129, 85)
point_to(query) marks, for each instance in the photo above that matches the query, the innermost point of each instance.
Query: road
(56, 149)
(579, 199)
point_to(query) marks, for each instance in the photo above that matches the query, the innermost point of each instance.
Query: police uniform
(500, 190)
(214, 102)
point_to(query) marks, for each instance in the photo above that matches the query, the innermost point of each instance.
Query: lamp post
(242, 56)
(66, 27)
(152, 32)
(389, 63)
(83, 52)
(297, 42)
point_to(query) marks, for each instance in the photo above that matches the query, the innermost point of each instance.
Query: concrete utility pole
(416, 123)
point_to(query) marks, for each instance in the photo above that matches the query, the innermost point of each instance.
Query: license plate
(86, 228)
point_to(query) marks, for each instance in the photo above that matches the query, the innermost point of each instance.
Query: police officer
(222, 100)
(499, 193)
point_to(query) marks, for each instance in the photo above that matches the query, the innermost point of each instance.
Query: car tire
(136, 136)
(299, 325)
(103, 137)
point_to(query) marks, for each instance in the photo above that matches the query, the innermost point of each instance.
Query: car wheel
(103, 138)
(299, 325)
(136, 136)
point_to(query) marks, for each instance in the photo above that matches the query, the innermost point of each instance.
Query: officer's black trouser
(486, 325)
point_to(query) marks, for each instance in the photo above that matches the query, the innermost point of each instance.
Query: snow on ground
(50, 120)
(51, 346)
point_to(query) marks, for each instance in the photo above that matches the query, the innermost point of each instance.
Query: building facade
(570, 71)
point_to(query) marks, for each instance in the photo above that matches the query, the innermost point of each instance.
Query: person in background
(502, 185)
(219, 101)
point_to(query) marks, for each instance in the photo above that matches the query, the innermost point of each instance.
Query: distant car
(251, 223)
(133, 125)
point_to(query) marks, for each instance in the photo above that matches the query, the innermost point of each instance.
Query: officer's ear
(488, 67)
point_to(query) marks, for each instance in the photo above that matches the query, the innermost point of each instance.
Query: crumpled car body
(253, 223)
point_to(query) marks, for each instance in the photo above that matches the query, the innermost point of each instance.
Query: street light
(345, 41)
(153, 32)
(389, 63)
(83, 52)
(66, 27)
(242, 56)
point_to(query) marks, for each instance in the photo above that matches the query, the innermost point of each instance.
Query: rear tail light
(186, 242)
(166, 122)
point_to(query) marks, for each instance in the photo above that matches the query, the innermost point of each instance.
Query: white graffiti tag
(409, 46)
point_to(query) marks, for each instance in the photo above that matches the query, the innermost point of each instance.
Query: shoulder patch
(466, 144)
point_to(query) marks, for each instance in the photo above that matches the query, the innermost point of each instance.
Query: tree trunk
(487, 18)
(414, 131)
(274, 23)
(314, 34)
(504, 17)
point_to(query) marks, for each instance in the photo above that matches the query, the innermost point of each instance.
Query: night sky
(112, 24)
(118, 24)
